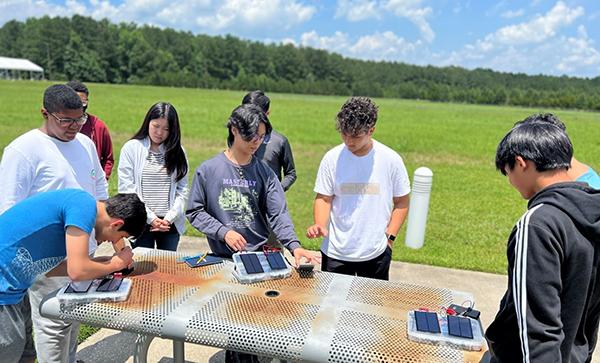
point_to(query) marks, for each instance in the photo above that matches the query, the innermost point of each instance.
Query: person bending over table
(35, 237)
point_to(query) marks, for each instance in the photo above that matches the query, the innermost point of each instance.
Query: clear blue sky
(541, 36)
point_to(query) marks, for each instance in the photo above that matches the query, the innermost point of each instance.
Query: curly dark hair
(357, 115)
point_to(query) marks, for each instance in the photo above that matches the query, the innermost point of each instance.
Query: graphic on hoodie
(237, 204)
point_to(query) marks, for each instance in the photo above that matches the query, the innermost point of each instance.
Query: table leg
(178, 351)
(142, 343)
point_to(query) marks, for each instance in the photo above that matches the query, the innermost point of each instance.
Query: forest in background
(100, 51)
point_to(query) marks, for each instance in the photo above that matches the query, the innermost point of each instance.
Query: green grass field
(472, 209)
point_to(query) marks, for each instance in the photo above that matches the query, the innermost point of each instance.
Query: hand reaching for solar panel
(235, 241)
(300, 253)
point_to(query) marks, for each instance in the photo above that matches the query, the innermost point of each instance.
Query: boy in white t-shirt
(362, 197)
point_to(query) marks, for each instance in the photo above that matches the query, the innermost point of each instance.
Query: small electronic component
(460, 327)
(427, 322)
(109, 285)
(251, 263)
(275, 260)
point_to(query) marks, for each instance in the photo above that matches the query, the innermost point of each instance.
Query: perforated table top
(327, 318)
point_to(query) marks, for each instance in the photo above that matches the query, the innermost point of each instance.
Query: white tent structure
(18, 68)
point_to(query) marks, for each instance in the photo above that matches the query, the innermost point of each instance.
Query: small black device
(305, 270)
(80, 288)
(460, 327)
(275, 260)
(427, 322)
(109, 285)
(391, 237)
(468, 312)
(251, 263)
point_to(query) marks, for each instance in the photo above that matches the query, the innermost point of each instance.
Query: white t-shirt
(362, 188)
(35, 162)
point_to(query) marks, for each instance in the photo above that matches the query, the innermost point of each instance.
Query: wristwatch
(391, 237)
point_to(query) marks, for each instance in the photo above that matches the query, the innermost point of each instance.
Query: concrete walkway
(112, 346)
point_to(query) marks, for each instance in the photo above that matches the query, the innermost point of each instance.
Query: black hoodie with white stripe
(551, 308)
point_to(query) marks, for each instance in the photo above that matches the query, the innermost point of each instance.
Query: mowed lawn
(472, 209)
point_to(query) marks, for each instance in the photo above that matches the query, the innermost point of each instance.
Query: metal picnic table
(326, 318)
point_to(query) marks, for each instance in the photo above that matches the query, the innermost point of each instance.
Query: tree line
(99, 51)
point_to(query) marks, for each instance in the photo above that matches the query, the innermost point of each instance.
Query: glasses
(264, 138)
(70, 121)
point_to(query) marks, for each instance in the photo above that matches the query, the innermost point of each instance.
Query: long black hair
(174, 155)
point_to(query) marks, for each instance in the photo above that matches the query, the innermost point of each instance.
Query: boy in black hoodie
(551, 308)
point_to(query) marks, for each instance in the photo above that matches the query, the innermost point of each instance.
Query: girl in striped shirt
(154, 165)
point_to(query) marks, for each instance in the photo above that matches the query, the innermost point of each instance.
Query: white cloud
(338, 42)
(356, 10)
(540, 28)
(23, 9)
(412, 10)
(383, 46)
(536, 46)
(509, 14)
(377, 46)
(269, 14)
(241, 17)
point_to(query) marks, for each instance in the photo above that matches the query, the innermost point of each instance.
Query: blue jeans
(164, 240)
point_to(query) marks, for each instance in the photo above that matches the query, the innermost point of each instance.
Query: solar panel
(109, 285)
(427, 322)
(460, 327)
(251, 263)
(275, 260)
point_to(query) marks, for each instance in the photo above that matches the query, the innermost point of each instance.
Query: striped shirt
(156, 184)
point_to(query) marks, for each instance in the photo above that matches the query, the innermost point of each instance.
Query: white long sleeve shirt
(133, 157)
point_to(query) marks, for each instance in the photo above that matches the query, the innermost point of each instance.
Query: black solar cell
(251, 263)
(276, 261)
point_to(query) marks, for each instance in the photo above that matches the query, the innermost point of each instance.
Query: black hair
(78, 87)
(543, 143)
(174, 155)
(258, 98)
(246, 118)
(129, 208)
(59, 97)
(545, 117)
(357, 115)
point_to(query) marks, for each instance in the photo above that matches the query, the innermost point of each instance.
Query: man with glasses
(362, 197)
(52, 157)
(95, 129)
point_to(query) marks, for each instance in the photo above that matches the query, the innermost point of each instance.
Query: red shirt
(96, 130)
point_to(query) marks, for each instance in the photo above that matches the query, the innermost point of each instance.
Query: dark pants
(238, 357)
(164, 240)
(377, 268)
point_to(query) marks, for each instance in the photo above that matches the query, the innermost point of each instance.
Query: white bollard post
(418, 208)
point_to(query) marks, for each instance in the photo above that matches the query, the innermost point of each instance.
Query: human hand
(123, 259)
(316, 231)
(160, 225)
(309, 256)
(236, 241)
